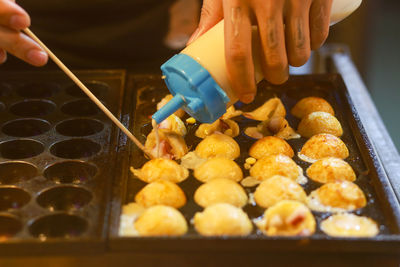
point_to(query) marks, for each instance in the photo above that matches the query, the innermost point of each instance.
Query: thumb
(211, 13)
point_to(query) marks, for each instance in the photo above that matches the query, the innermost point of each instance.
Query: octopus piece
(319, 122)
(337, 197)
(222, 219)
(220, 191)
(180, 112)
(276, 189)
(161, 169)
(311, 104)
(270, 166)
(349, 225)
(172, 145)
(272, 108)
(330, 170)
(231, 112)
(322, 146)
(161, 221)
(161, 192)
(218, 145)
(174, 124)
(227, 127)
(287, 218)
(270, 145)
(215, 168)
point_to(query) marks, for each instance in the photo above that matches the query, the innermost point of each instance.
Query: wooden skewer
(86, 90)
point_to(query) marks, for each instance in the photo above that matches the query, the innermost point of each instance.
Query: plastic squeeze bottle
(197, 76)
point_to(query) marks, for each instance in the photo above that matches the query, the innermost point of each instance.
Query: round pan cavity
(38, 90)
(75, 148)
(13, 198)
(16, 171)
(64, 198)
(82, 107)
(99, 89)
(26, 127)
(9, 226)
(79, 127)
(20, 149)
(33, 108)
(70, 172)
(59, 225)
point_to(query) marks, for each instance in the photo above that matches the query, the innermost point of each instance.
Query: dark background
(373, 34)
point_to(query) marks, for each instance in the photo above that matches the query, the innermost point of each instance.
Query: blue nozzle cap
(194, 90)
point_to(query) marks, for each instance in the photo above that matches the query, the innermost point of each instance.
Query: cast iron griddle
(144, 91)
(56, 149)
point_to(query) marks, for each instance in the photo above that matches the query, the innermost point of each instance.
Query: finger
(13, 16)
(211, 14)
(298, 32)
(22, 46)
(3, 56)
(272, 35)
(319, 22)
(238, 51)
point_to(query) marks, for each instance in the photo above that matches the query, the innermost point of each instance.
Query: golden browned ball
(349, 225)
(319, 122)
(218, 145)
(161, 221)
(330, 170)
(287, 218)
(161, 169)
(215, 168)
(161, 192)
(336, 197)
(270, 145)
(311, 104)
(222, 219)
(322, 146)
(276, 165)
(276, 189)
(220, 191)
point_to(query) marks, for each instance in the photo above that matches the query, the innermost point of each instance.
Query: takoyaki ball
(180, 112)
(273, 165)
(174, 124)
(220, 191)
(322, 146)
(330, 170)
(349, 225)
(270, 145)
(227, 127)
(222, 219)
(215, 168)
(218, 145)
(276, 189)
(319, 122)
(161, 192)
(161, 221)
(172, 145)
(161, 169)
(287, 218)
(311, 104)
(272, 108)
(337, 197)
